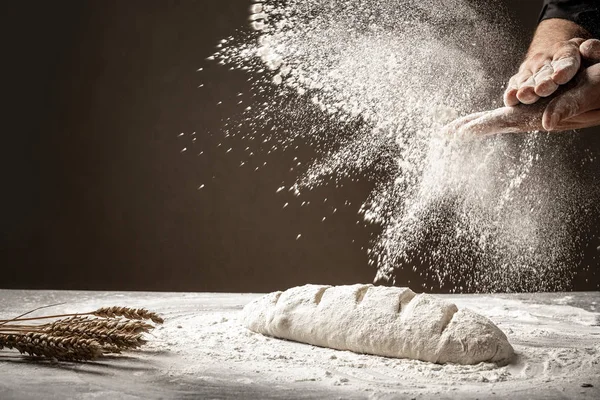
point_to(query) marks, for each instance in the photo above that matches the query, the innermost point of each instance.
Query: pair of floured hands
(555, 91)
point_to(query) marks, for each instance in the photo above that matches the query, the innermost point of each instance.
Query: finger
(510, 94)
(566, 62)
(450, 129)
(503, 120)
(585, 120)
(582, 98)
(590, 49)
(562, 107)
(489, 123)
(544, 85)
(526, 93)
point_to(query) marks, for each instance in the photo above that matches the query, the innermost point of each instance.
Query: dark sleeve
(585, 13)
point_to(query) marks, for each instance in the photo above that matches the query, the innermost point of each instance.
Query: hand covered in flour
(575, 107)
(542, 73)
(553, 59)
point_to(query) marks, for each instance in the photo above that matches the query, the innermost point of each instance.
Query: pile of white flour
(501, 214)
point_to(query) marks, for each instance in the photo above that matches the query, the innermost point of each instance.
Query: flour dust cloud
(500, 214)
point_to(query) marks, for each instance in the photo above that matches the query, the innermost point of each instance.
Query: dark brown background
(96, 193)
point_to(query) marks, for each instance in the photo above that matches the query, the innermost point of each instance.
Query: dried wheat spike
(77, 325)
(60, 348)
(131, 313)
(123, 341)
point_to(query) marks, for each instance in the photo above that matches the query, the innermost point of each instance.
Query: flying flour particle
(501, 214)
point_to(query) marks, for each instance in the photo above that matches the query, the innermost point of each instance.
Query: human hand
(574, 108)
(543, 71)
(578, 107)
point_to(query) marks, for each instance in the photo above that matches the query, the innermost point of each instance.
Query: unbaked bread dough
(384, 321)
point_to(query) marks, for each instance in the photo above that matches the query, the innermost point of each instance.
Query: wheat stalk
(68, 348)
(121, 333)
(77, 325)
(131, 313)
(79, 337)
(104, 312)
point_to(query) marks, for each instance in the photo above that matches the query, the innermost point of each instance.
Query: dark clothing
(585, 13)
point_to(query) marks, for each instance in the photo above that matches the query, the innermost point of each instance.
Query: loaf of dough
(384, 321)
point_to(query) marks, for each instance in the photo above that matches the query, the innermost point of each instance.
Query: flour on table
(384, 321)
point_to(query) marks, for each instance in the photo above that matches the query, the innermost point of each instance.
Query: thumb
(590, 49)
(585, 96)
(562, 107)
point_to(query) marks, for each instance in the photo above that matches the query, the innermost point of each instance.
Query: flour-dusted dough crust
(385, 321)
